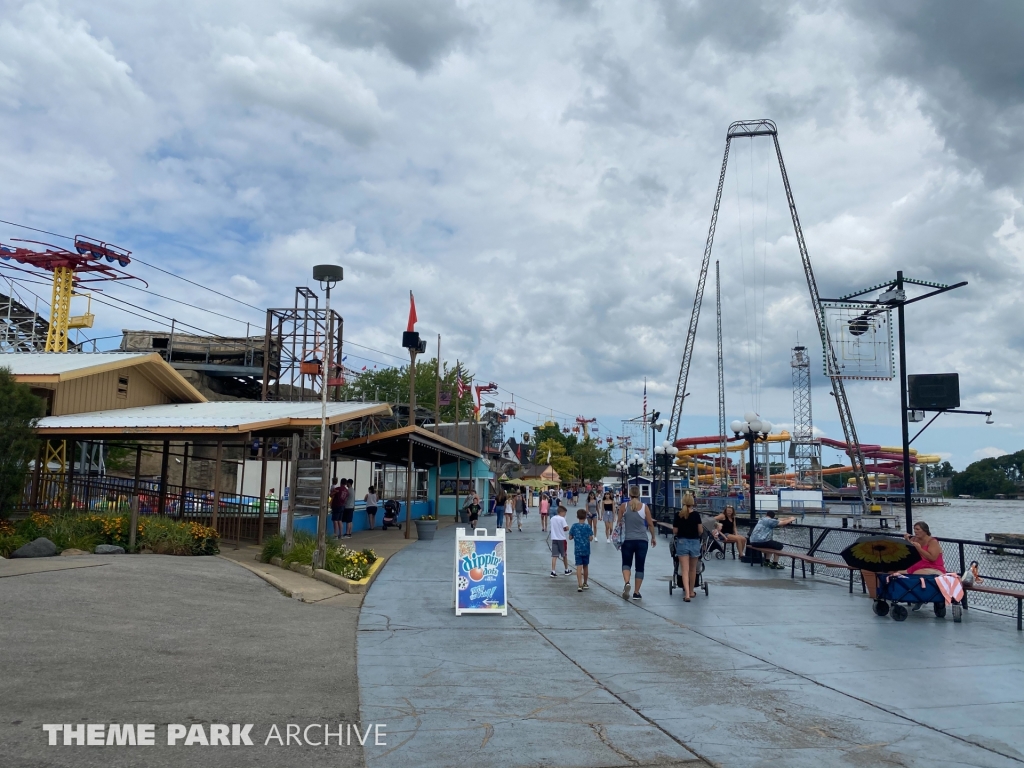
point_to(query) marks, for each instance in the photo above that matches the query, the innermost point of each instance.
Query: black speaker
(933, 391)
(411, 340)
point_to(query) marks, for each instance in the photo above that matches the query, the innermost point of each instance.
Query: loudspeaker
(411, 339)
(933, 391)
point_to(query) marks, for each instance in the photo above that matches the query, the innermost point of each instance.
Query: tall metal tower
(723, 455)
(752, 129)
(805, 452)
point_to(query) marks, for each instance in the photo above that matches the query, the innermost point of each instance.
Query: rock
(39, 548)
(71, 552)
(109, 549)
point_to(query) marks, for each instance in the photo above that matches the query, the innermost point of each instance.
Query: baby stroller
(710, 545)
(391, 508)
(894, 589)
(677, 578)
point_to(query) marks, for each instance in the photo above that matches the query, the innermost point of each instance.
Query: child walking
(581, 533)
(559, 545)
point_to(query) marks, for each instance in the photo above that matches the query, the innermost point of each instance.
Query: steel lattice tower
(806, 452)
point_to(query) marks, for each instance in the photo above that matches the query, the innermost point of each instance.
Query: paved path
(154, 639)
(765, 671)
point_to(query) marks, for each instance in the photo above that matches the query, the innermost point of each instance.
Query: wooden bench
(804, 560)
(1013, 593)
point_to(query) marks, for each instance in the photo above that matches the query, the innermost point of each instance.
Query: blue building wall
(482, 476)
(360, 523)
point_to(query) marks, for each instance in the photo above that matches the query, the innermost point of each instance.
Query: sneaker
(554, 575)
(569, 571)
(637, 596)
(607, 540)
(579, 589)
(586, 586)
(625, 591)
(916, 606)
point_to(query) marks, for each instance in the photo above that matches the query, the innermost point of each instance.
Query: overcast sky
(542, 175)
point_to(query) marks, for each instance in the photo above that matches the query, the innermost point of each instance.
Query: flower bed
(349, 563)
(86, 531)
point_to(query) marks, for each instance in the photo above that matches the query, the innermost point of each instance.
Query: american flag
(460, 387)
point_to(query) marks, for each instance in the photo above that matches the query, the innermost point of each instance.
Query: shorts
(609, 516)
(582, 559)
(592, 516)
(336, 515)
(689, 547)
(559, 548)
(346, 516)
(543, 514)
(371, 512)
(767, 544)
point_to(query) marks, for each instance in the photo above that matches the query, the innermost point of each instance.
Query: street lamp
(753, 429)
(622, 466)
(327, 275)
(664, 457)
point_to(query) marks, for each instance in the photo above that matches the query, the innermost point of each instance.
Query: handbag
(618, 535)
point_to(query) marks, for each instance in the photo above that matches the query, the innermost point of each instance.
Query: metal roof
(57, 363)
(211, 418)
(393, 447)
(51, 368)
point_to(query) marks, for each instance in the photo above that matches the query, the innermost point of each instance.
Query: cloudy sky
(542, 175)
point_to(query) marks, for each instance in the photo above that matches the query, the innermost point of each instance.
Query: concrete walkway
(156, 639)
(764, 671)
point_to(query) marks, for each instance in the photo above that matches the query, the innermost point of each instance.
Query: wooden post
(69, 453)
(162, 503)
(184, 482)
(293, 481)
(134, 524)
(37, 476)
(263, 491)
(241, 503)
(216, 485)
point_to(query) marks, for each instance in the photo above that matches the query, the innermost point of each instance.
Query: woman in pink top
(544, 506)
(929, 549)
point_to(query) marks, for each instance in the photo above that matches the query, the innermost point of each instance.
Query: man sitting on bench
(761, 536)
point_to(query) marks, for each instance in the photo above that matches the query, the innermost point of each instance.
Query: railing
(237, 516)
(999, 565)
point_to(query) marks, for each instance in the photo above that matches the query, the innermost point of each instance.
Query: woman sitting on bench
(728, 521)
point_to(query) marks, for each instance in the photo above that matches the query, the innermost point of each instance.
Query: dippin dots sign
(214, 735)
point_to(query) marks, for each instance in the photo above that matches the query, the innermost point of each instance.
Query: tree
(560, 460)
(19, 409)
(392, 385)
(988, 477)
(594, 462)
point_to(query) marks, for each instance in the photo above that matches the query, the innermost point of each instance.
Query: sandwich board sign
(480, 572)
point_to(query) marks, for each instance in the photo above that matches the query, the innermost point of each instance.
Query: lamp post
(665, 456)
(753, 429)
(327, 275)
(412, 342)
(622, 467)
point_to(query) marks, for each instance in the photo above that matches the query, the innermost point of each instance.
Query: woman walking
(371, 506)
(499, 509)
(592, 512)
(544, 506)
(637, 525)
(509, 509)
(728, 521)
(520, 510)
(608, 515)
(687, 528)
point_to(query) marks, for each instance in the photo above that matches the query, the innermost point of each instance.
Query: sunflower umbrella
(880, 554)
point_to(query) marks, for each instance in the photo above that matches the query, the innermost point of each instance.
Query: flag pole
(437, 421)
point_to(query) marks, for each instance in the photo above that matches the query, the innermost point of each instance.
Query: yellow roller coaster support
(60, 309)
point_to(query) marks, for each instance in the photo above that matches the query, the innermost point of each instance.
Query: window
(122, 387)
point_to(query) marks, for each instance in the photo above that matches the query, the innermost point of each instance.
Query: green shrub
(272, 547)
(11, 542)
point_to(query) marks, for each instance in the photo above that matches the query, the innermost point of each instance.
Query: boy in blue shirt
(580, 534)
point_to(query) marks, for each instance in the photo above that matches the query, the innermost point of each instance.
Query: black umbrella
(880, 554)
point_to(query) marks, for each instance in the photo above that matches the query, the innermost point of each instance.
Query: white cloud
(989, 453)
(542, 176)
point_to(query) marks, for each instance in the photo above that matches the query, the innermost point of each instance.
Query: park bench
(804, 560)
(1016, 594)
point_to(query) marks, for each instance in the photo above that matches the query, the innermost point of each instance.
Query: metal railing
(237, 516)
(1000, 565)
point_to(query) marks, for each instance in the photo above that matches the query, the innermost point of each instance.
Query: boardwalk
(767, 671)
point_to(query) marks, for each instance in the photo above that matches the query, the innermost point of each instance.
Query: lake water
(965, 518)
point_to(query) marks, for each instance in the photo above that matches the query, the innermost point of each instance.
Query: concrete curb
(267, 577)
(336, 581)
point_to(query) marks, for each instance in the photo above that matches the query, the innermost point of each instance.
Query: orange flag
(412, 313)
